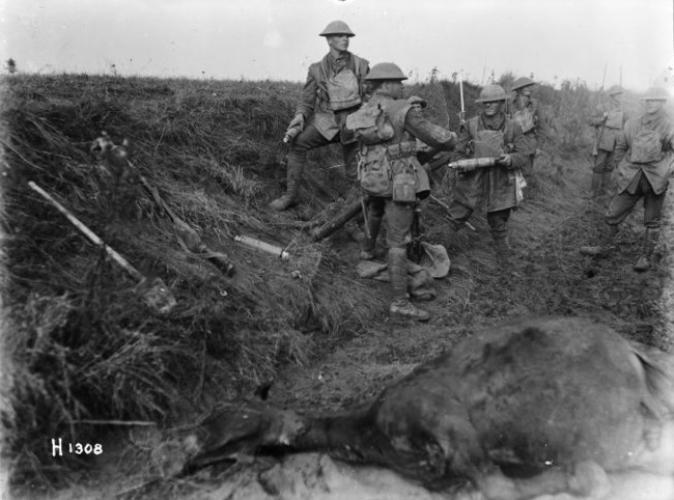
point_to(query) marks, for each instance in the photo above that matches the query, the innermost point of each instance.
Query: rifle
(600, 134)
(462, 113)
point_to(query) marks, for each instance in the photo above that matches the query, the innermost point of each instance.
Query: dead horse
(521, 409)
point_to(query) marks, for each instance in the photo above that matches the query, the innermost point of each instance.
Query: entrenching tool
(117, 158)
(155, 293)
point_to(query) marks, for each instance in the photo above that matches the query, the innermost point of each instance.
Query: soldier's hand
(297, 122)
(504, 161)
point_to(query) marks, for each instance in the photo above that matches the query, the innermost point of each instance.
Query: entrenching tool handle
(88, 233)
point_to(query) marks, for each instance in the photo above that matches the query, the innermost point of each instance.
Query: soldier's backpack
(370, 124)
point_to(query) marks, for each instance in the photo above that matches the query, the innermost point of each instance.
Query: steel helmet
(416, 100)
(490, 93)
(522, 82)
(615, 90)
(337, 28)
(656, 94)
(385, 71)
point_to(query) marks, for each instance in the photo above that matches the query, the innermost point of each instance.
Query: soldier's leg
(399, 217)
(652, 221)
(466, 194)
(607, 176)
(619, 208)
(375, 213)
(598, 170)
(498, 226)
(350, 153)
(310, 138)
(352, 193)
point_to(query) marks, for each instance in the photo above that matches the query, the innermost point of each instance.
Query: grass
(81, 343)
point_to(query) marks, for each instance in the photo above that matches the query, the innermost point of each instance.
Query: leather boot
(605, 245)
(648, 246)
(506, 268)
(296, 161)
(397, 268)
(368, 247)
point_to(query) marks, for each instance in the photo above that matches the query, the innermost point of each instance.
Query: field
(85, 354)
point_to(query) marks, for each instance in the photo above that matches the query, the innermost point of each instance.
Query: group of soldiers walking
(345, 101)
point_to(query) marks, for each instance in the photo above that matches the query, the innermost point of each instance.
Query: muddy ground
(549, 277)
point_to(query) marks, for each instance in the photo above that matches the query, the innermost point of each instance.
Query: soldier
(608, 121)
(334, 88)
(525, 113)
(390, 174)
(491, 135)
(643, 154)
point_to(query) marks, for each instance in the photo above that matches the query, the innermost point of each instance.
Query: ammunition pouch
(389, 170)
(404, 182)
(401, 150)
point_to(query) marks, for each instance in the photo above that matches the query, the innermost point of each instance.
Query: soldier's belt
(401, 150)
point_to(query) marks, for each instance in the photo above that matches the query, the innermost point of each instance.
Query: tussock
(82, 343)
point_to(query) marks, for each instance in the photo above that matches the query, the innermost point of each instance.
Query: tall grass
(82, 344)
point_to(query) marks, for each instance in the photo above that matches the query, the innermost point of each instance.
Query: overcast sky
(277, 39)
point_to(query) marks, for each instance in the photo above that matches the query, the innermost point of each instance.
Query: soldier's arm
(520, 147)
(435, 136)
(308, 99)
(362, 83)
(621, 144)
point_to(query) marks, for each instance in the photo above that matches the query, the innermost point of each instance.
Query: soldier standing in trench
(491, 135)
(608, 121)
(643, 154)
(334, 88)
(390, 174)
(525, 114)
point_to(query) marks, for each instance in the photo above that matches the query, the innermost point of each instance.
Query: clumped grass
(81, 343)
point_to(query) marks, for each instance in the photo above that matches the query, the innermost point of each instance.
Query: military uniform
(390, 174)
(335, 87)
(608, 121)
(527, 117)
(500, 186)
(643, 154)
